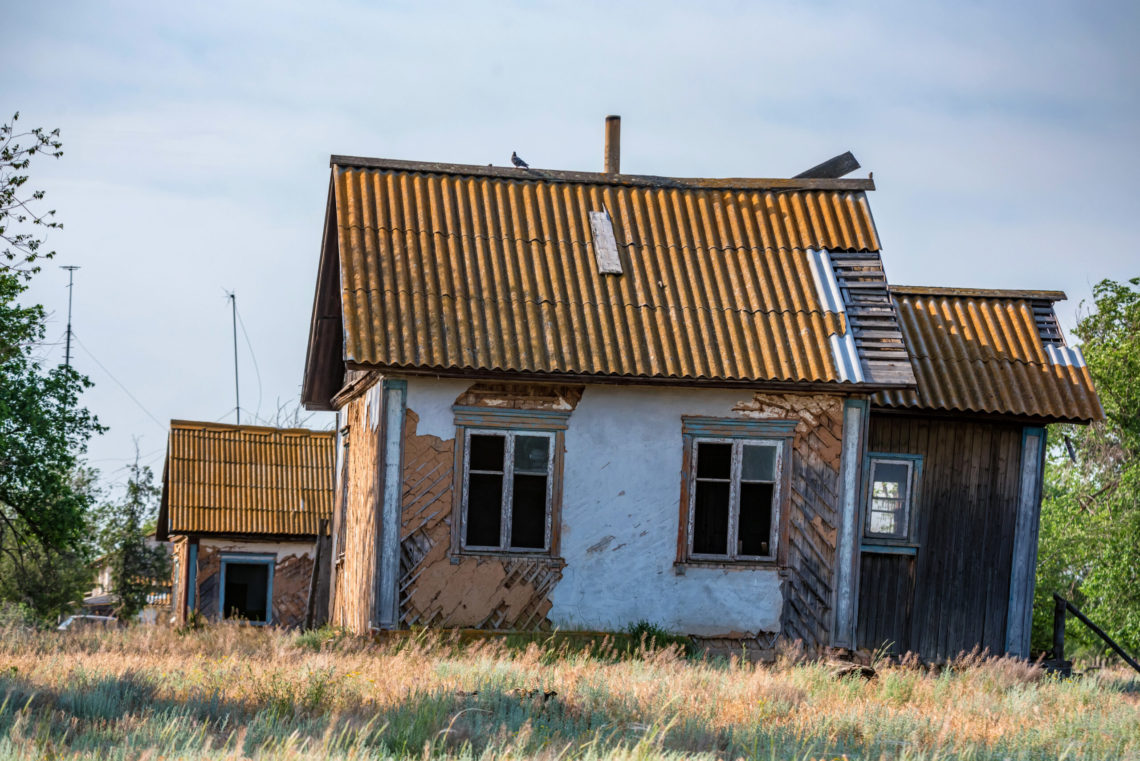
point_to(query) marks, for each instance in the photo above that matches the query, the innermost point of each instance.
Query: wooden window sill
(889, 548)
(543, 557)
(728, 565)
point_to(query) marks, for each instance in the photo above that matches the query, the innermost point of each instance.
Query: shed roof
(245, 479)
(439, 267)
(990, 351)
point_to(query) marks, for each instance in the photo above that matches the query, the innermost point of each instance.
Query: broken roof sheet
(231, 479)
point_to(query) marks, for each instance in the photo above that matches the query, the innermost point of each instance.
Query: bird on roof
(518, 162)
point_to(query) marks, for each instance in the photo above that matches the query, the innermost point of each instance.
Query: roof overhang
(324, 356)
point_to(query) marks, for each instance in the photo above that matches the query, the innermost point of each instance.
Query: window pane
(528, 513)
(759, 463)
(532, 453)
(890, 480)
(883, 522)
(755, 529)
(484, 509)
(714, 460)
(890, 499)
(886, 489)
(247, 588)
(487, 452)
(710, 518)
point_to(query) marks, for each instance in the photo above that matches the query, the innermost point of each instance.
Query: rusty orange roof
(436, 267)
(993, 351)
(245, 479)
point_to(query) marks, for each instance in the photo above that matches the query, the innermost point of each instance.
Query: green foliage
(325, 638)
(1089, 549)
(18, 215)
(655, 637)
(138, 567)
(45, 497)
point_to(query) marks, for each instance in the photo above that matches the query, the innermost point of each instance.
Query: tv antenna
(237, 389)
(71, 268)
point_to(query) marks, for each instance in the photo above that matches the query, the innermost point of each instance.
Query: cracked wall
(482, 592)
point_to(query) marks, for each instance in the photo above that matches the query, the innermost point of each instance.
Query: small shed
(954, 469)
(242, 506)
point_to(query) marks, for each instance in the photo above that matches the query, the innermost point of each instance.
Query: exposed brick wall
(480, 592)
(814, 517)
(291, 575)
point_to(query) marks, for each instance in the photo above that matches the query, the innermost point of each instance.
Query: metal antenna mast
(237, 391)
(71, 268)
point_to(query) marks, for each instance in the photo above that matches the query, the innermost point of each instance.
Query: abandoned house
(242, 506)
(583, 400)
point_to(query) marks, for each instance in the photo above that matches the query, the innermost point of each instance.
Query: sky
(1002, 137)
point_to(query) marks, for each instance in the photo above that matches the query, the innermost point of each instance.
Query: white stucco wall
(620, 513)
(282, 549)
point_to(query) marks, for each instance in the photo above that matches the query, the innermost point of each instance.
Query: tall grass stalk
(231, 692)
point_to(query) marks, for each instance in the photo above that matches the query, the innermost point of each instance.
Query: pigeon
(518, 162)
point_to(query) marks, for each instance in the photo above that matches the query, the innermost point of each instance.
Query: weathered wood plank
(834, 168)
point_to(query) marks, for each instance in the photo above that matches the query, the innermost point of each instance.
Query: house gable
(492, 272)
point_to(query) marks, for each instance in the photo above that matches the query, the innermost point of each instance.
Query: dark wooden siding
(886, 593)
(966, 515)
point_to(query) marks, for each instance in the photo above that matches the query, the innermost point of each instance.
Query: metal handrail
(1060, 606)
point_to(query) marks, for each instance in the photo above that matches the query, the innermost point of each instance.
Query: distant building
(102, 600)
(242, 506)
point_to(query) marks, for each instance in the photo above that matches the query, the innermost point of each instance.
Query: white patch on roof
(843, 350)
(605, 245)
(1069, 356)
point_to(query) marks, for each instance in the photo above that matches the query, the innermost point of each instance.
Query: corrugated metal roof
(445, 267)
(982, 351)
(229, 479)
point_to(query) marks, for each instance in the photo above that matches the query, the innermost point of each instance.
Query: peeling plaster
(432, 400)
(634, 506)
(620, 513)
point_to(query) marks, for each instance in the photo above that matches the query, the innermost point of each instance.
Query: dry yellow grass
(230, 692)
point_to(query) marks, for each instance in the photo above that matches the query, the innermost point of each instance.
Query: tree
(45, 497)
(137, 568)
(1090, 515)
(19, 217)
(48, 581)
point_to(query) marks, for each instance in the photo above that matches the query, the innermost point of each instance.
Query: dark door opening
(247, 591)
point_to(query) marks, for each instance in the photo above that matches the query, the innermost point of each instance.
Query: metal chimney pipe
(613, 145)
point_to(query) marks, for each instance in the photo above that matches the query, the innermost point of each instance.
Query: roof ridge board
(983, 293)
(599, 178)
(201, 425)
(512, 239)
(538, 302)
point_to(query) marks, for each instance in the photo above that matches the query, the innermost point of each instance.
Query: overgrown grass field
(231, 692)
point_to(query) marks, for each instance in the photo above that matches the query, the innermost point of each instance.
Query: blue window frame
(246, 588)
(890, 506)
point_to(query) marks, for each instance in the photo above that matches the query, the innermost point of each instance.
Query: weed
(231, 691)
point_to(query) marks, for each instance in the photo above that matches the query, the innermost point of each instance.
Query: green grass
(226, 692)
